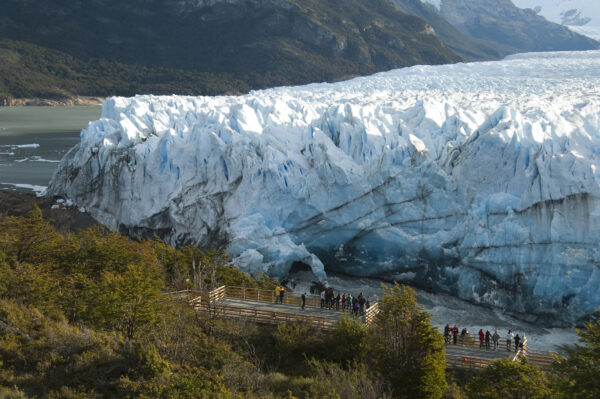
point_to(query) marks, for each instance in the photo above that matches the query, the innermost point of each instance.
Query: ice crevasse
(480, 180)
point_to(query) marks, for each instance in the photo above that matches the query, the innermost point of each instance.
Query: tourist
(303, 300)
(455, 334)
(281, 292)
(337, 301)
(368, 304)
(349, 302)
(509, 338)
(481, 338)
(361, 303)
(488, 336)
(495, 339)
(355, 306)
(323, 298)
(447, 334)
(344, 301)
(463, 335)
(517, 340)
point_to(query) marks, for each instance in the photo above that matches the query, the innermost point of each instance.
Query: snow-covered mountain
(481, 180)
(511, 28)
(582, 16)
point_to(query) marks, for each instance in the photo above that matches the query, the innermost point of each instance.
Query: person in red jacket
(455, 334)
(481, 338)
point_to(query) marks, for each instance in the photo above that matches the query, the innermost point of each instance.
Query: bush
(507, 379)
(348, 342)
(577, 373)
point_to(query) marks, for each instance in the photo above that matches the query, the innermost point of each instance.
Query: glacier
(480, 180)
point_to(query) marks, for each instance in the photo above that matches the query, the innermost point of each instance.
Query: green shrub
(507, 379)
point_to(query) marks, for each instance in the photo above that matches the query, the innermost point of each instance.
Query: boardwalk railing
(371, 313)
(542, 359)
(467, 361)
(267, 316)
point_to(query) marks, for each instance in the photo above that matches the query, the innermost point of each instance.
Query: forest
(88, 314)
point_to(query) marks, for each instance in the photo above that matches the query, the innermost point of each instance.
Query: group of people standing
(486, 339)
(353, 304)
(356, 305)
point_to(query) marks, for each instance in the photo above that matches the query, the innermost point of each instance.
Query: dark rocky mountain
(503, 23)
(463, 44)
(207, 46)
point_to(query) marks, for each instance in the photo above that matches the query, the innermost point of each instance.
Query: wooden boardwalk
(260, 306)
(470, 355)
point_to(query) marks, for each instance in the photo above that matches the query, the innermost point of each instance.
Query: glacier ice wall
(481, 180)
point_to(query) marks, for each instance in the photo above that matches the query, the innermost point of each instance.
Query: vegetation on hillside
(108, 47)
(28, 71)
(87, 315)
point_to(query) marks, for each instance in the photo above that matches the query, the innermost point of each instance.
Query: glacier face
(480, 180)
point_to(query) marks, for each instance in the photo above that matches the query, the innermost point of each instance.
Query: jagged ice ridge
(480, 180)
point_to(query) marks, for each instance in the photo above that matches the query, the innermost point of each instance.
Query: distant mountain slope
(581, 16)
(502, 22)
(260, 42)
(466, 46)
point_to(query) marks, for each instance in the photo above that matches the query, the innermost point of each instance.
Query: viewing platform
(262, 306)
(470, 355)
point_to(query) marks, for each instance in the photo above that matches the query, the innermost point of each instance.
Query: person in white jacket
(509, 338)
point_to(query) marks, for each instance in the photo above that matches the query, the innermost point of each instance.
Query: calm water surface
(34, 139)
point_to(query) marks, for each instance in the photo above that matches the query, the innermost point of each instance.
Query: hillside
(102, 47)
(28, 70)
(466, 46)
(581, 16)
(503, 23)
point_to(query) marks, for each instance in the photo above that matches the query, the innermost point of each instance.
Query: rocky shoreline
(54, 102)
(64, 218)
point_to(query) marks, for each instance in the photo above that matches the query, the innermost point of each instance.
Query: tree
(349, 341)
(129, 300)
(408, 351)
(28, 239)
(505, 379)
(578, 372)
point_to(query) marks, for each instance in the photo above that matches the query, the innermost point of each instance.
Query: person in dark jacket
(463, 335)
(303, 300)
(488, 336)
(517, 340)
(447, 333)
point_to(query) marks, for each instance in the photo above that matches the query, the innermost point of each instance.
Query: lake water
(34, 139)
